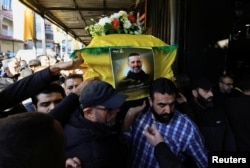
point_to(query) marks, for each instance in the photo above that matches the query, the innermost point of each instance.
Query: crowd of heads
(99, 102)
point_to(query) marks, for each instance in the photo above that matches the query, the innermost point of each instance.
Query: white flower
(138, 32)
(104, 20)
(115, 16)
(122, 25)
(123, 13)
(127, 24)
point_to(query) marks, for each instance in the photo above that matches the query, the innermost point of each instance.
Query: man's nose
(210, 93)
(167, 109)
(52, 106)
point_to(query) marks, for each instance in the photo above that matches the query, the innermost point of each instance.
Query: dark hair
(30, 140)
(74, 76)
(133, 54)
(162, 85)
(222, 77)
(54, 87)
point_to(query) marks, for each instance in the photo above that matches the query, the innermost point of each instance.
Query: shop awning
(74, 15)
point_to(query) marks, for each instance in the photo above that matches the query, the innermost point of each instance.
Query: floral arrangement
(117, 23)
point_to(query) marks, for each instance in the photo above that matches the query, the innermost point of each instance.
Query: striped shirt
(181, 135)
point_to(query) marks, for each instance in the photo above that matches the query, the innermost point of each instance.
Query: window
(6, 4)
(5, 30)
(49, 36)
(48, 27)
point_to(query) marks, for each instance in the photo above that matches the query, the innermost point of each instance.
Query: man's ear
(195, 93)
(220, 84)
(7, 71)
(34, 106)
(150, 101)
(88, 113)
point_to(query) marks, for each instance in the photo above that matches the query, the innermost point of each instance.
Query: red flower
(116, 23)
(131, 18)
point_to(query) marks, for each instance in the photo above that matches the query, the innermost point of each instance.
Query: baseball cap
(34, 62)
(202, 83)
(101, 93)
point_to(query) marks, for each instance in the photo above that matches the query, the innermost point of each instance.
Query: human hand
(181, 98)
(137, 109)
(131, 115)
(73, 163)
(68, 65)
(153, 135)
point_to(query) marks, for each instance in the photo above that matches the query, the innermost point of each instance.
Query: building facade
(8, 45)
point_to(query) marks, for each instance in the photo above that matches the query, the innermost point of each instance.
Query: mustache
(210, 98)
(165, 115)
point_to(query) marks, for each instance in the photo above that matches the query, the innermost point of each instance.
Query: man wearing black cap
(211, 119)
(202, 93)
(91, 132)
(100, 103)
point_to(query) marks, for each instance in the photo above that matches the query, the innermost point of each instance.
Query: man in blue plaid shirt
(179, 132)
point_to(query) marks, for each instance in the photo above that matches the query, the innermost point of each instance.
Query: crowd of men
(75, 122)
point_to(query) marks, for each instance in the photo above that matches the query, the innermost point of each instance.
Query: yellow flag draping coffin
(106, 57)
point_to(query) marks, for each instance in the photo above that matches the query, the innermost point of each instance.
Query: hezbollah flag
(108, 58)
(29, 24)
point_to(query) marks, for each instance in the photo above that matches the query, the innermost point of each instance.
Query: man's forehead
(49, 95)
(134, 57)
(160, 96)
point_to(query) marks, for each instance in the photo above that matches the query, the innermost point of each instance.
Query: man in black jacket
(238, 112)
(211, 118)
(90, 132)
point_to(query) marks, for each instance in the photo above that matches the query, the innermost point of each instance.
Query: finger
(147, 134)
(70, 163)
(77, 161)
(154, 129)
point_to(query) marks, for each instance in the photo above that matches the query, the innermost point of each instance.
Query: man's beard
(204, 102)
(110, 124)
(135, 70)
(162, 118)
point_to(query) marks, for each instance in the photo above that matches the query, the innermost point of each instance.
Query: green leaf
(107, 27)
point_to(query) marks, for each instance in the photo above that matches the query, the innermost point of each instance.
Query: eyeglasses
(228, 84)
(104, 109)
